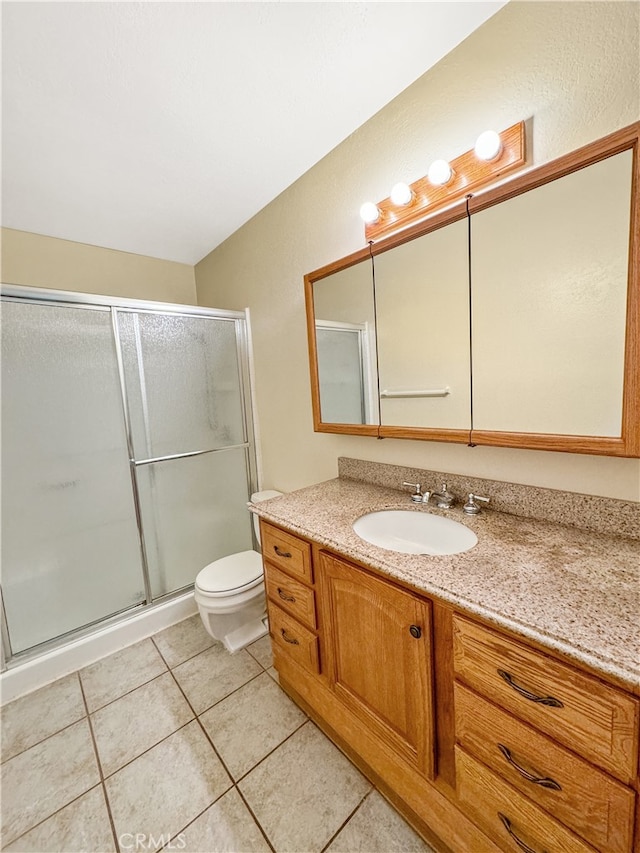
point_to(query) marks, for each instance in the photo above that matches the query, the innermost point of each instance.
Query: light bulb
(401, 195)
(488, 145)
(440, 173)
(370, 212)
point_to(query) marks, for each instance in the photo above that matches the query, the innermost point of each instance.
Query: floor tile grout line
(210, 741)
(187, 825)
(44, 739)
(264, 757)
(127, 692)
(254, 816)
(148, 749)
(345, 822)
(254, 657)
(53, 814)
(234, 783)
(202, 728)
(99, 763)
(186, 660)
(235, 690)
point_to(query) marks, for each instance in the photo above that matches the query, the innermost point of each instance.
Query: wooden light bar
(469, 173)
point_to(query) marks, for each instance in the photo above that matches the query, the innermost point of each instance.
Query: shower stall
(127, 458)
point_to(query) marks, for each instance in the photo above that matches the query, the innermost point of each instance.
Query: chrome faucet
(418, 497)
(444, 498)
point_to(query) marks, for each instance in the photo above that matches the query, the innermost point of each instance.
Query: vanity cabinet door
(378, 646)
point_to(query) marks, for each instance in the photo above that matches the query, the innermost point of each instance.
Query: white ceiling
(160, 128)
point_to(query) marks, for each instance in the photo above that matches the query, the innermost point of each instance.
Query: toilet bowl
(230, 593)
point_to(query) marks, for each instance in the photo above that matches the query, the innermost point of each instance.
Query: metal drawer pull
(543, 781)
(507, 825)
(415, 631)
(287, 639)
(541, 700)
(283, 595)
(281, 553)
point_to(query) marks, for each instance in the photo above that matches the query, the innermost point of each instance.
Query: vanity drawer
(594, 805)
(287, 551)
(595, 720)
(293, 596)
(293, 639)
(509, 818)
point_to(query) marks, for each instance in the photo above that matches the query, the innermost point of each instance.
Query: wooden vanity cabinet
(378, 657)
(558, 735)
(533, 753)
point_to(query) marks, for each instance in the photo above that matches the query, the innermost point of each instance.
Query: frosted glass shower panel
(70, 547)
(194, 510)
(183, 383)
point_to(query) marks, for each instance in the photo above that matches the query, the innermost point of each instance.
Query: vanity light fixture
(370, 212)
(401, 195)
(440, 173)
(488, 146)
(495, 155)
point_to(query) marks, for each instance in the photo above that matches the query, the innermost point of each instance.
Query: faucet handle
(417, 495)
(471, 507)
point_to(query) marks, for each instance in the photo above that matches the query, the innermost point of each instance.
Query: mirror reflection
(422, 300)
(346, 346)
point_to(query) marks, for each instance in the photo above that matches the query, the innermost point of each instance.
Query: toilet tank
(256, 497)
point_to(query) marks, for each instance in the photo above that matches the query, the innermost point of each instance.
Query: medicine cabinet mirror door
(422, 302)
(549, 272)
(342, 349)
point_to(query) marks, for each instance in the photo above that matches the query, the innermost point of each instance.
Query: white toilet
(230, 593)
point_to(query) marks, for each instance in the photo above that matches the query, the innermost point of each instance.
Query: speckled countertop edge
(572, 590)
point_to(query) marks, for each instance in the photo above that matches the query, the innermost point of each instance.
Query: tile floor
(174, 744)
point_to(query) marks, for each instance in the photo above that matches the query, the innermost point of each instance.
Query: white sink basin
(414, 532)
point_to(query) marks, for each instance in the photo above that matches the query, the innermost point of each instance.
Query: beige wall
(38, 261)
(574, 68)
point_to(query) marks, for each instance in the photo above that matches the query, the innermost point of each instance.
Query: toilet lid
(232, 573)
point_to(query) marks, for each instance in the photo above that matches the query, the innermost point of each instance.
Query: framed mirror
(528, 335)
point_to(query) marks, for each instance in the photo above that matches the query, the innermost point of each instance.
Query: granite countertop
(573, 590)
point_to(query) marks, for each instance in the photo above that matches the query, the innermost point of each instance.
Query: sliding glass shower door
(70, 547)
(189, 437)
(127, 457)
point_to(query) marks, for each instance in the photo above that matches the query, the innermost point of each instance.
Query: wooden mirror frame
(628, 444)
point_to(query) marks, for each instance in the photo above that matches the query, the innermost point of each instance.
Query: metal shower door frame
(61, 298)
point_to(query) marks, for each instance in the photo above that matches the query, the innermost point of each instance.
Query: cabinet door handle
(415, 631)
(541, 700)
(283, 595)
(507, 825)
(543, 781)
(293, 642)
(281, 553)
